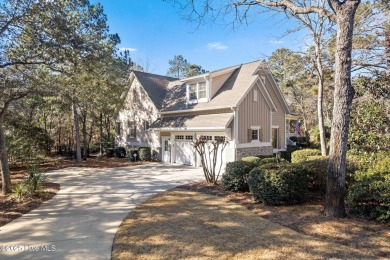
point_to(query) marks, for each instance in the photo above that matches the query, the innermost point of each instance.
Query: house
(241, 104)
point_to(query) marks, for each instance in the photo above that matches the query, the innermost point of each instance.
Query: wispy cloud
(276, 41)
(128, 49)
(217, 46)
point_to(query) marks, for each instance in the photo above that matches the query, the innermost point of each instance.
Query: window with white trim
(206, 138)
(255, 134)
(179, 137)
(189, 137)
(197, 91)
(219, 138)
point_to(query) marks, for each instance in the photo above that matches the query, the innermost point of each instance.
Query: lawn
(189, 223)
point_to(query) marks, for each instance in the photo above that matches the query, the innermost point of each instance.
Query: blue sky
(154, 31)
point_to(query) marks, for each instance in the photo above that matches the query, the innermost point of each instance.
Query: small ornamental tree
(209, 152)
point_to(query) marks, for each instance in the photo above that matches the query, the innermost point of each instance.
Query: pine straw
(183, 224)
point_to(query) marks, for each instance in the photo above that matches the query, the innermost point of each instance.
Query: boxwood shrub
(301, 155)
(130, 154)
(316, 168)
(253, 160)
(281, 184)
(369, 193)
(145, 153)
(235, 177)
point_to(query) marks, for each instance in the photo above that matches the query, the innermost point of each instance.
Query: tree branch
(294, 9)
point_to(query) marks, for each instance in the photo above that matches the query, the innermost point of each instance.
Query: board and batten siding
(252, 113)
(278, 117)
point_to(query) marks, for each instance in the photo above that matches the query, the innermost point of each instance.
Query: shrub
(145, 153)
(235, 177)
(19, 191)
(301, 155)
(131, 152)
(120, 152)
(278, 184)
(253, 160)
(369, 194)
(35, 182)
(316, 168)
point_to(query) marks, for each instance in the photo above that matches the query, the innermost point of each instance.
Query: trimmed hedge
(280, 184)
(369, 194)
(145, 153)
(253, 160)
(301, 155)
(316, 168)
(235, 177)
(131, 152)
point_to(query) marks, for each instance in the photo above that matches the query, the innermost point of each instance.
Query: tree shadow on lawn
(308, 218)
(186, 224)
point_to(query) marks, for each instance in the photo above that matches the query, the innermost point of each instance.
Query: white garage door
(184, 153)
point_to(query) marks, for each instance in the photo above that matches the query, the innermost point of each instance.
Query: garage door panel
(184, 153)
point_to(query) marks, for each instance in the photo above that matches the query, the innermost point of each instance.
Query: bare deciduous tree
(209, 153)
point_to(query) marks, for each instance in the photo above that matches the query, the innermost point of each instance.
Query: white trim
(275, 126)
(251, 145)
(255, 95)
(175, 129)
(236, 125)
(193, 110)
(256, 127)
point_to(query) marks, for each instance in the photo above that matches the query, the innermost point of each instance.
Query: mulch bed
(308, 218)
(11, 209)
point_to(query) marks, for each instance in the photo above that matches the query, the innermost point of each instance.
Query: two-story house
(242, 104)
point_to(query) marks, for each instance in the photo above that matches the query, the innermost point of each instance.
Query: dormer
(198, 89)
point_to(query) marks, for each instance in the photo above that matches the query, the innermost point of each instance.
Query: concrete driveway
(80, 222)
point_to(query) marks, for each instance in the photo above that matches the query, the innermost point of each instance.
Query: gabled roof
(154, 85)
(229, 95)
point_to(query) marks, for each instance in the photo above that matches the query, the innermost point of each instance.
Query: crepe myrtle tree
(342, 13)
(209, 151)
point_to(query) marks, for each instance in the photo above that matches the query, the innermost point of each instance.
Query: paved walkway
(80, 222)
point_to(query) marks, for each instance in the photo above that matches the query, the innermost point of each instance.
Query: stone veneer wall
(253, 151)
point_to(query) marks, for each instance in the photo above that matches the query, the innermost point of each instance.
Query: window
(255, 134)
(275, 138)
(179, 137)
(219, 138)
(132, 129)
(118, 128)
(166, 145)
(189, 137)
(146, 125)
(255, 95)
(193, 92)
(202, 90)
(206, 138)
(197, 91)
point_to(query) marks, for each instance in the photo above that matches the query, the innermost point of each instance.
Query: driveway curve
(80, 222)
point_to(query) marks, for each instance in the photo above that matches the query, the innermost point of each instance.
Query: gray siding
(253, 113)
(278, 117)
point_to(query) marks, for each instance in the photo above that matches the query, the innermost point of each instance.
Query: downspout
(236, 142)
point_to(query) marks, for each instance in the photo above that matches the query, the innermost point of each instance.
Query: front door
(166, 149)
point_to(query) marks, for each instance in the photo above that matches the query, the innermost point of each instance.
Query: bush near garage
(145, 153)
(301, 155)
(369, 193)
(252, 160)
(235, 177)
(278, 184)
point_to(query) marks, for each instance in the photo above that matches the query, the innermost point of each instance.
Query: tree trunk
(343, 95)
(4, 168)
(76, 130)
(320, 94)
(84, 130)
(387, 48)
(101, 134)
